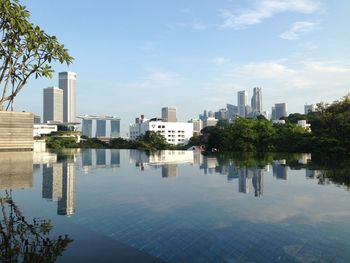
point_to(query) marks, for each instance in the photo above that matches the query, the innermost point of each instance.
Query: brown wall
(16, 130)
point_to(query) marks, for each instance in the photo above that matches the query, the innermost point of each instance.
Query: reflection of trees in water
(333, 168)
(26, 241)
(326, 168)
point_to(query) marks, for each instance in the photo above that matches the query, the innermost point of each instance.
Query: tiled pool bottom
(187, 236)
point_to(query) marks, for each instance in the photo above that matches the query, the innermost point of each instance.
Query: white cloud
(297, 29)
(220, 61)
(265, 9)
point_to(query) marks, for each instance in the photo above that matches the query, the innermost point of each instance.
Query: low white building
(173, 132)
(43, 129)
(305, 125)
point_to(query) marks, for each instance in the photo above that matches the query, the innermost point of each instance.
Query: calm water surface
(173, 206)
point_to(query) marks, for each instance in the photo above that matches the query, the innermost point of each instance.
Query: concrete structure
(100, 125)
(169, 114)
(37, 119)
(242, 102)
(174, 132)
(16, 130)
(53, 104)
(44, 129)
(197, 126)
(309, 108)
(67, 82)
(210, 121)
(280, 110)
(256, 101)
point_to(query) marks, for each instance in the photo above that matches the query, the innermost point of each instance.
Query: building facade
(256, 101)
(67, 82)
(242, 102)
(173, 132)
(280, 110)
(309, 108)
(169, 114)
(53, 104)
(100, 126)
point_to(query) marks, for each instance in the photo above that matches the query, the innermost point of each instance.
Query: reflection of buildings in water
(244, 176)
(169, 170)
(99, 158)
(16, 170)
(232, 173)
(171, 157)
(52, 181)
(280, 170)
(258, 182)
(209, 164)
(311, 174)
(305, 158)
(66, 205)
(161, 159)
(44, 157)
(59, 185)
(197, 158)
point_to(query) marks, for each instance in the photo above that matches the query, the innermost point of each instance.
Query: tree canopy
(25, 51)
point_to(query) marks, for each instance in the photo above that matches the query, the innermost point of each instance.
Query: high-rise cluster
(60, 102)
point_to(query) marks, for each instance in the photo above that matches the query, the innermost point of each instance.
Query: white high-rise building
(53, 104)
(242, 102)
(67, 82)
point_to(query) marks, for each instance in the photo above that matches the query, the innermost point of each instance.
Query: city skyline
(196, 56)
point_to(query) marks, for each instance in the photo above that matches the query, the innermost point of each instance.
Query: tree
(25, 51)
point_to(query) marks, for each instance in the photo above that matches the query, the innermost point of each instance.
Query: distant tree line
(330, 125)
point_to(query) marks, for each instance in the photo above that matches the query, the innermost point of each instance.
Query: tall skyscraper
(169, 114)
(53, 104)
(257, 100)
(67, 82)
(242, 102)
(280, 110)
(232, 111)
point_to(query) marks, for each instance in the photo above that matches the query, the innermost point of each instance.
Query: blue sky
(133, 57)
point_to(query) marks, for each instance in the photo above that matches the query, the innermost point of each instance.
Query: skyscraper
(257, 100)
(280, 110)
(67, 82)
(309, 108)
(169, 114)
(53, 104)
(242, 102)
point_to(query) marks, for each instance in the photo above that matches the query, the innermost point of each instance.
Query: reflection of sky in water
(197, 210)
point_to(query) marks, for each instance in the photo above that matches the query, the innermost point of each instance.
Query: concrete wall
(16, 130)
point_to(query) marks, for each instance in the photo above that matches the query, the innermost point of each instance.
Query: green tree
(25, 51)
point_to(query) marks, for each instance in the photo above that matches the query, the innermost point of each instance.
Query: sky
(134, 57)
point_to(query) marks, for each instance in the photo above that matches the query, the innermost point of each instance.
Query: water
(178, 206)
